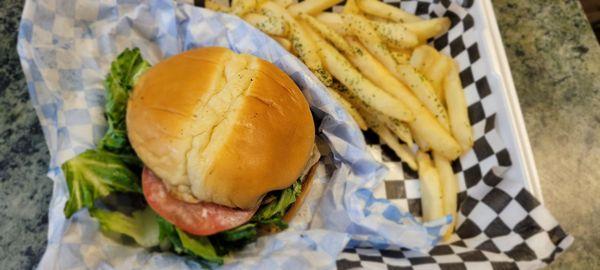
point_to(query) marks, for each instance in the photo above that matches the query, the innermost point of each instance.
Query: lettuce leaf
(142, 225)
(278, 207)
(199, 246)
(94, 174)
(113, 166)
(234, 239)
(168, 236)
(183, 243)
(124, 72)
(241, 233)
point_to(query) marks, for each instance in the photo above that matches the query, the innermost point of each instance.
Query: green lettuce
(168, 237)
(199, 246)
(124, 72)
(278, 207)
(234, 239)
(240, 233)
(184, 243)
(142, 225)
(113, 166)
(95, 174)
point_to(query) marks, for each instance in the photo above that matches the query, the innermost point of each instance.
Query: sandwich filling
(206, 218)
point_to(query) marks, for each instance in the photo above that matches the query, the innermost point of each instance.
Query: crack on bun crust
(220, 127)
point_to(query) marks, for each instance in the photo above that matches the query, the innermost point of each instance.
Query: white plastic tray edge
(521, 154)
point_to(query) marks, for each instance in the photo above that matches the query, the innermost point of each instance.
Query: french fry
(420, 140)
(433, 66)
(396, 35)
(381, 9)
(375, 122)
(457, 109)
(241, 7)
(372, 95)
(269, 25)
(393, 34)
(431, 193)
(284, 42)
(351, 7)
(407, 75)
(424, 91)
(214, 5)
(449, 185)
(302, 43)
(418, 59)
(401, 150)
(427, 29)
(436, 72)
(335, 22)
(360, 121)
(427, 131)
(365, 32)
(400, 56)
(422, 57)
(376, 18)
(285, 3)
(348, 95)
(400, 129)
(405, 52)
(336, 39)
(311, 6)
(429, 136)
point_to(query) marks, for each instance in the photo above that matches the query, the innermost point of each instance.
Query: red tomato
(195, 218)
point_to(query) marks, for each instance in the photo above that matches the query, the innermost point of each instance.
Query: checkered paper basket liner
(500, 225)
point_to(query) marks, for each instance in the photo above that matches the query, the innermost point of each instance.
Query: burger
(224, 144)
(217, 131)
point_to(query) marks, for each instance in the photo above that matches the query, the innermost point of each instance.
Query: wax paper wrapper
(66, 47)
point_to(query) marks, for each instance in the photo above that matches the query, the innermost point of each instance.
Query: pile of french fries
(374, 60)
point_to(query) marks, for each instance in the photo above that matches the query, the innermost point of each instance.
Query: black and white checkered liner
(500, 224)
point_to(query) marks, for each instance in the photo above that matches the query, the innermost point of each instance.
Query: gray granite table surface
(555, 62)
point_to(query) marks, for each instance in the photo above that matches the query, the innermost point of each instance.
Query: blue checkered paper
(66, 47)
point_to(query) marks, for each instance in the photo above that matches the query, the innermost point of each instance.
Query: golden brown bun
(220, 127)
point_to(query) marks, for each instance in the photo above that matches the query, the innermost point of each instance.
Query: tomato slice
(195, 218)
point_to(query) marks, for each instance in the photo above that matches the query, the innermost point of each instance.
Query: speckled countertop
(555, 62)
